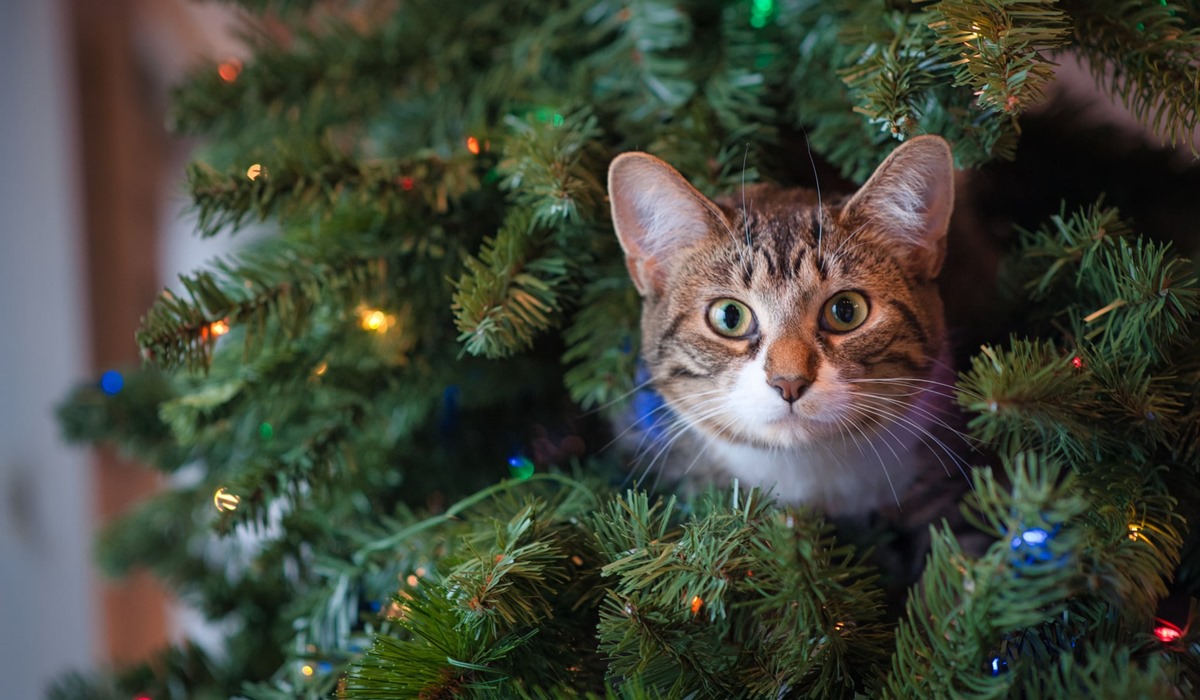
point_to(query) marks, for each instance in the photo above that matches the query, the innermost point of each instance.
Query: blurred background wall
(92, 221)
(47, 610)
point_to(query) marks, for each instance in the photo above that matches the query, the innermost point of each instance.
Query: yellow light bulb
(306, 670)
(373, 320)
(224, 501)
(254, 171)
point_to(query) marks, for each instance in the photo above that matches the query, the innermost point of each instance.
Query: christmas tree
(388, 422)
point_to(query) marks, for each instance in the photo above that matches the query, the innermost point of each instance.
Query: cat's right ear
(657, 214)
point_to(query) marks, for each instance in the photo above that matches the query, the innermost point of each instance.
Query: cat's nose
(790, 388)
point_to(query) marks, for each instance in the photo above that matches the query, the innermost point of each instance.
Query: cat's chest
(849, 477)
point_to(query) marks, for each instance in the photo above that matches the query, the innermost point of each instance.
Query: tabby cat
(796, 344)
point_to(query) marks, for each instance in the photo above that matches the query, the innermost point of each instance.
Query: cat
(797, 344)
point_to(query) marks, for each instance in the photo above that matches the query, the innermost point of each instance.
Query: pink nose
(790, 388)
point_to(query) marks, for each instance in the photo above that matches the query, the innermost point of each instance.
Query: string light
(998, 665)
(111, 382)
(306, 670)
(697, 603)
(407, 183)
(218, 328)
(375, 320)
(1033, 545)
(520, 467)
(760, 12)
(254, 171)
(473, 145)
(224, 501)
(229, 70)
(1167, 632)
(412, 580)
(1135, 533)
(266, 431)
(1077, 362)
(396, 611)
(321, 369)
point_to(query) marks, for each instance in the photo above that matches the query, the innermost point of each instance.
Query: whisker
(817, 187)
(920, 432)
(620, 398)
(966, 438)
(878, 456)
(916, 380)
(745, 209)
(671, 434)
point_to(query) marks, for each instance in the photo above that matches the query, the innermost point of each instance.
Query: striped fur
(875, 398)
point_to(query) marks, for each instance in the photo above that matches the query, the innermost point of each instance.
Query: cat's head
(782, 321)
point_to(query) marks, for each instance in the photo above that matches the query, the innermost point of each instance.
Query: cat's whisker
(620, 398)
(882, 464)
(966, 438)
(920, 432)
(745, 209)
(817, 187)
(917, 380)
(679, 427)
(846, 239)
(641, 424)
(878, 421)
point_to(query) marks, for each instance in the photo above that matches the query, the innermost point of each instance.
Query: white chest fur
(840, 478)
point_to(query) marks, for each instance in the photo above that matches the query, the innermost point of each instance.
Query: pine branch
(1007, 41)
(503, 587)
(1148, 55)
(1103, 670)
(841, 610)
(292, 185)
(437, 662)
(508, 295)
(638, 73)
(602, 343)
(1031, 396)
(1152, 296)
(1068, 244)
(552, 169)
(280, 282)
(894, 72)
(945, 641)
(699, 608)
(128, 417)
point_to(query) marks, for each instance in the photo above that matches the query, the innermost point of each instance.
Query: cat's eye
(731, 318)
(844, 312)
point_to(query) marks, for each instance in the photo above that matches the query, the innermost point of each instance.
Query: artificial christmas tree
(389, 422)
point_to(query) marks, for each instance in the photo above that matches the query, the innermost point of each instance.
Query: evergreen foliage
(445, 293)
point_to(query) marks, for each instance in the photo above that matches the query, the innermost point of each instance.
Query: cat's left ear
(908, 201)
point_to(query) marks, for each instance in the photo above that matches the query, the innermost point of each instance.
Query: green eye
(731, 318)
(844, 312)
